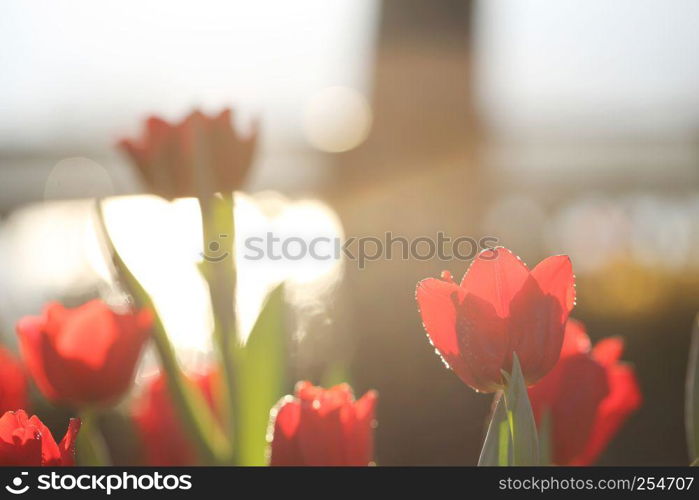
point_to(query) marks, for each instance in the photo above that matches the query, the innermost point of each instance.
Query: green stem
(218, 226)
(92, 449)
(194, 413)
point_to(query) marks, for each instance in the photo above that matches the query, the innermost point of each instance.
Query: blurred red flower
(587, 396)
(323, 427)
(13, 383)
(197, 157)
(83, 356)
(499, 308)
(27, 441)
(164, 440)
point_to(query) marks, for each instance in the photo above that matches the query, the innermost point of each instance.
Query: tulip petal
(321, 435)
(53, 454)
(588, 396)
(575, 339)
(198, 156)
(462, 330)
(55, 314)
(34, 352)
(583, 387)
(123, 355)
(536, 328)
(361, 432)
(285, 449)
(20, 440)
(137, 154)
(87, 334)
(437, 301)
(323, 427)
(624, 398)
(483, 344)
(84, 355)
(67, 444)
(608, 351)
(27, 441)
(496, 276)
(554, 276)
(366, 406)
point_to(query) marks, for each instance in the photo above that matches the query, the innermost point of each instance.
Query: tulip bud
(27, 441)
(197, 157)
(83, 356)
(323, 427)
(586, 397)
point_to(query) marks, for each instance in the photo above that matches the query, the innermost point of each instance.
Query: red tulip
(197, 157)
(13, 383)
(323, 427)
(164, 440)
(587, 397)
(83, 356)
(499, 308)
(27, 441)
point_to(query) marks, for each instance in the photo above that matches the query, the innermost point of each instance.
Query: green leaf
(260, 380)
(525, 445)
(692, 395)
(497, 448)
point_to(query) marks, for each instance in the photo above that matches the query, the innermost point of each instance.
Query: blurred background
(557, 127)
